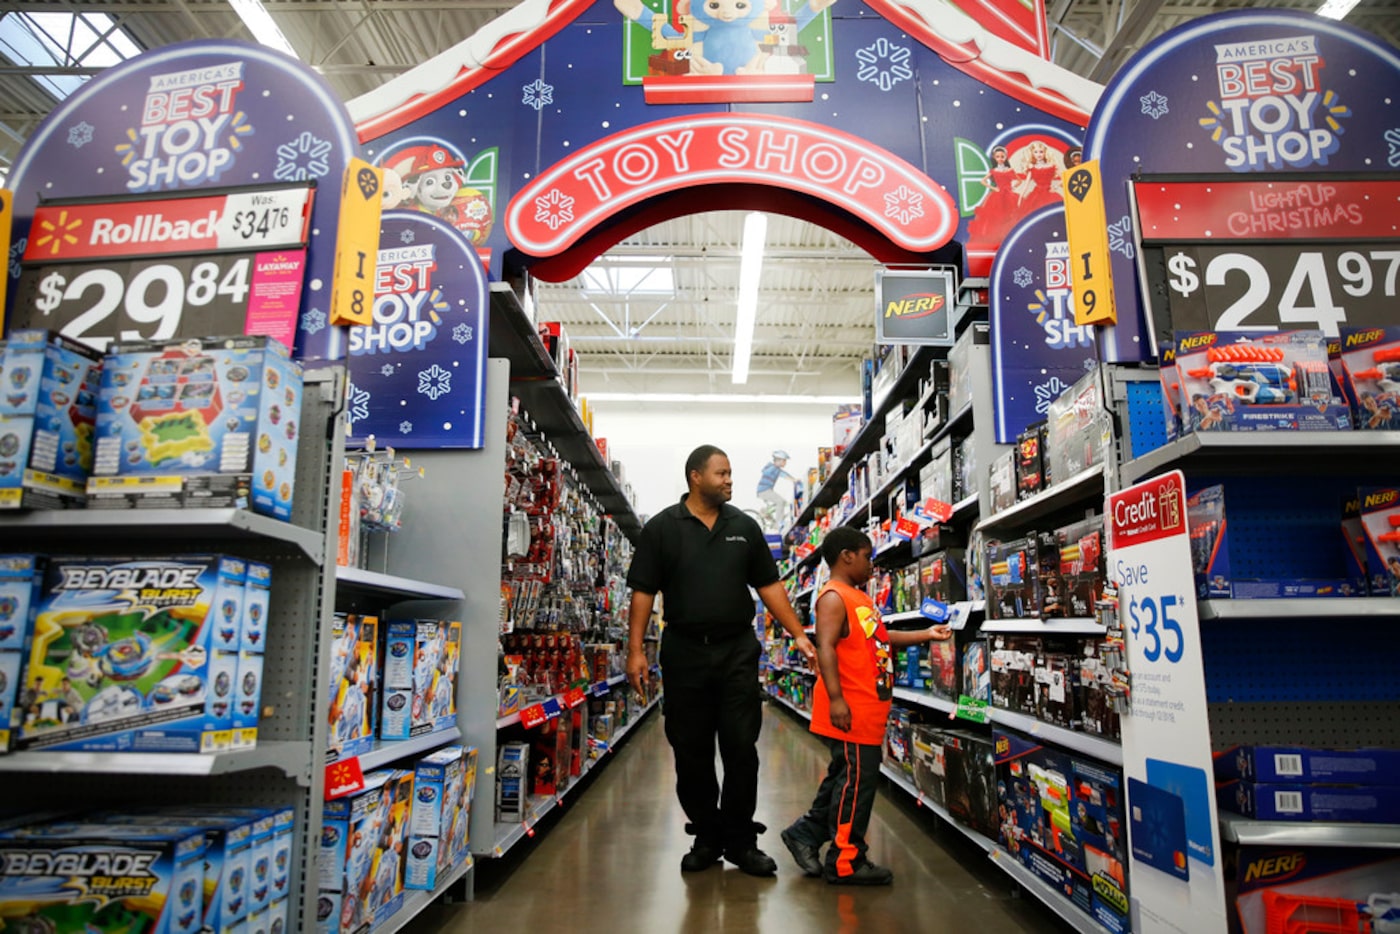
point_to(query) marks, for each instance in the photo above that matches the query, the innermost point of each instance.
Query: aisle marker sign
(7, 214)
(357, 244)
(1166, 734)
(1086, 228)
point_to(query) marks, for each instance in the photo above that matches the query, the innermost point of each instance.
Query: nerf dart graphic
(1386, 373)
(1249, 373)
(1053, 789)
(1311, 914)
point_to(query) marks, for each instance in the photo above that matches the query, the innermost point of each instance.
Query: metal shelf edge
(391, 584)
(311, 543)
(1332, 607)
(1032, 626)
(923, 799)
(1051, 898)
(293, 758)
(1102, 749)
(1047, 500)
(393, 750)
(1236, 828)
(924, 699)
(415, 900)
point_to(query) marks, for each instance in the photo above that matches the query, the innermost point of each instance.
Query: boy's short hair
(843, 538)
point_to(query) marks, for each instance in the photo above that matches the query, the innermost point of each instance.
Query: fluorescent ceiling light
(750, 265)
(260, 24)
(1336, 9)
(744, 398)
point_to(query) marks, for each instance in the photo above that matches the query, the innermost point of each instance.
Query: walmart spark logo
(55, 235)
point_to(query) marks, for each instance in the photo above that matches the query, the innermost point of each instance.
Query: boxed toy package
(1013, 590)
(942, 576)
(1295, 801)
(1374, 766)
(1317, 889)
(125, 656)
(940, 661)
(1248, 381)
(421, 661)
(1001, 479)
(86, 876)
(1029, 461)
(977, 671)
(212, 422)
(47, 412)
(1098, 694)
(512, 782)
(970, 782)
(352, 685)
(929, 770)
(1380, 520)
(360, 863)
(1078, 430)
(960, 365)
(898, 738)
(257, 602)
(1370, 360)
(247, 700)
(459, 823)
(437, 791)
(21, 580)
(1012, 680)
(1171, 390)
(1081, 566)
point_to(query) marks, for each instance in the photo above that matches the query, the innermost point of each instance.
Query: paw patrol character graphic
(432, 178)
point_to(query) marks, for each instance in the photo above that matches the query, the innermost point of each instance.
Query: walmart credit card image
(1157, 829)
(1194, 789)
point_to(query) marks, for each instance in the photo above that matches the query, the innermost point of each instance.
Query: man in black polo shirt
(703, 555)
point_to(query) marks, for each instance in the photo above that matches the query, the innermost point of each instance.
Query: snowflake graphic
(462, 333)
(406, 237)
(1120, 237)
(1154, 105)
(1393, 138)
(313, 321)
(387, 369)
(405, 427)
(434, 382)
(80, 135)
(1023, 277)
(302, 158)
(1090, 364)
(16, 251)
(883, 64)
(554, 209)
(904, 204)
(538, 94)
(1047, 392)
(358, 407)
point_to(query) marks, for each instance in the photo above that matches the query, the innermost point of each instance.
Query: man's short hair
(843, 538)
(699, 458)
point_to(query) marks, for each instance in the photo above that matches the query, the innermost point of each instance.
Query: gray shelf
(1079, 487)
(1052, 898)
(804, 714)
(924, 699)
(373, 583)
(904, 785)
(1322, 607)
(415, 900)
(1033, 626)
(1277, 452)
(291, 758)
(960, 419)
(167, 525)
(964, 506)
(514, 718)
(385, 752)
(1102, 749)
(1235, 828)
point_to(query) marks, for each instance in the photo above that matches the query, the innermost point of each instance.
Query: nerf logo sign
(915, 306)
(1003, 746)
(1195, 342)
(1382, 498)
(1362, 338)
(1275, 868)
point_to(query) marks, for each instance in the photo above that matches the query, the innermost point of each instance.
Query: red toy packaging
(1380, 518)
(1317, 891)
(1232, 381)
(1371, 365)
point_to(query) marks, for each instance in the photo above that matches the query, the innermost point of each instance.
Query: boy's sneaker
(807, 857)
(865, 874)
(701, 857)
(751, 860)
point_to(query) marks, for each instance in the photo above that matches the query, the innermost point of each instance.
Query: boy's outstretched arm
(831, 627)
(899, 638)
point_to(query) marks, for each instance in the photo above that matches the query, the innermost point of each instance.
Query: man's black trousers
(712, 694)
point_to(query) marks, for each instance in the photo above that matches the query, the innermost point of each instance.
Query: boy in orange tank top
(850, 705)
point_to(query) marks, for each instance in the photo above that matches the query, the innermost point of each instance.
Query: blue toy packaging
(97, 878)
(247, 700)
(124, 656)
(1371, 365)
(379, 817)
(1367, 804)
(437, 791)
(257, 599)
(1272, 764)
(353, 677)
(47, 410)
(1317, 889)
(459, 827)
(21, 577)
(211, 422)
(421, 660)
(1238, 381)
(1380, 520)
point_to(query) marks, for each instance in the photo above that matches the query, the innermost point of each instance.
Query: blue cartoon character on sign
(728, 37)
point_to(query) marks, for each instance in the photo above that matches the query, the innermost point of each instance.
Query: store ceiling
(816, 303)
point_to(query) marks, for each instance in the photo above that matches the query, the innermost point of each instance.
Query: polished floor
(610, 864)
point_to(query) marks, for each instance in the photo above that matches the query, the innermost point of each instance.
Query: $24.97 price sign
(1270, 253)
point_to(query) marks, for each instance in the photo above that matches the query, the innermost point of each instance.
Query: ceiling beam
(1126, 39)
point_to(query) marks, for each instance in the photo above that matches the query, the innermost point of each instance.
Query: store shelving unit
(1242, 830)
(350, 581)
(924, 699)
(1031, 625)
(1051, 898)
(292, 759)
(1318, 608)
(1105, 750)
(1302, 452)
(415, 900)
(594, 690)
(1080, 488)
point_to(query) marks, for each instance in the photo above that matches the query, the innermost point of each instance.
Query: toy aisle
(313, 602)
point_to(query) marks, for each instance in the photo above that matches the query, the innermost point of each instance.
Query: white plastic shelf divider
(385, 752)
(1041, 890)
(1331, 607)
(415, 900)
(1235, 828)
(1031, 625)
(292, 758)
(904, 784)
(965, 505)
(1048, 500)
(359, 579)
(905, 617)
(924, 699)
(169, 524)
(1105, 750)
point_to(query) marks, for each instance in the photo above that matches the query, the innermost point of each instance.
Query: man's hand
(808, 650)
(939, 633)
(636, 670)
(841, 715)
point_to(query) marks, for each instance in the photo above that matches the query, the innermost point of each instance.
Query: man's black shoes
(807, 857)
(751, 860)
(701, 857)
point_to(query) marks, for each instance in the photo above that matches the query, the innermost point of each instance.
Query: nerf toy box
(125, 656)
(1013, 579)
(98, 878)
(1078, 430)
(941, 576)
(361, 859)
(21, 577)
(929, 769)
(437, 791)
(421, 660)
(1380, 520)
(969, 781)
(48, 402)
(939, 669)
(1081, 566)
(1236, 381)
(1299, 889)
(977, 671)
(352, 682)
(1285, 764)
(1012, 679)
(212, 422)
(1367, 804)
(1371, 369)
(1030, 461)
